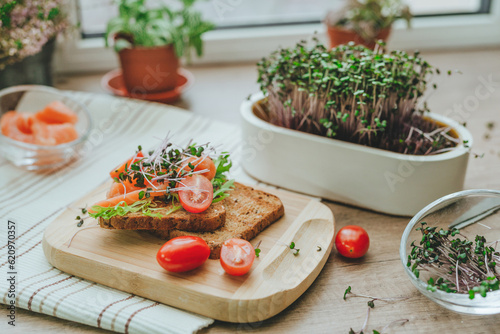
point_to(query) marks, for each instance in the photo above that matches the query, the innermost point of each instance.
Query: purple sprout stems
(353, 94)
(455, 264)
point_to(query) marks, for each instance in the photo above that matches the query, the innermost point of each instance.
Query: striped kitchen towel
(29, 201)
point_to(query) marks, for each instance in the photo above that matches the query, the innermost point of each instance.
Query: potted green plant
(365, 21)
(350, 125)
(28, 30)
(150, 42)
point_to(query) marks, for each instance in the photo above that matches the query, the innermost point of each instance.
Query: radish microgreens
(348, 293)
(257, 249)
(455, 265)
(371, 304)
(353, 94)
(295, 250)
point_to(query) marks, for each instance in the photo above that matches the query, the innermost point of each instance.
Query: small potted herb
(150, 42)
(350, 125)
(27, 38)
(365, 21)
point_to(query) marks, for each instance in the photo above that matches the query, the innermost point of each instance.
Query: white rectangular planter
(371, 178)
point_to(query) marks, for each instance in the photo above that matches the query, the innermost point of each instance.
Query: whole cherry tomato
(352, 241)
(237, 256)
(183, 254)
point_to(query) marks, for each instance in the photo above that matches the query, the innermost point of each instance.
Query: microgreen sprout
(348, 293)
(371, 304)
(80, 230)
(476, 155)
(351, 331)
(401, 322)
(80, 223)
(455, 264)
(257, 249)
(354, 94)
(295, 250)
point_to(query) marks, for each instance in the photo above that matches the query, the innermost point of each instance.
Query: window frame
(245, 44)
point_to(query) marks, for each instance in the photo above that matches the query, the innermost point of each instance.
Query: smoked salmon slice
(14, 126)
(120, 188)
(130, 198)
(53, 125)
(24, 122)
(57, 112)
(53, 134)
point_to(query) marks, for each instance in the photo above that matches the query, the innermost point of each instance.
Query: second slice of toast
(248, 212)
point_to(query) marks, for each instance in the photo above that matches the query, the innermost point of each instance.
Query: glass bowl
(473, 212)
(30, 99)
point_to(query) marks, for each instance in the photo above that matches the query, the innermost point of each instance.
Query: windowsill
(251, 44)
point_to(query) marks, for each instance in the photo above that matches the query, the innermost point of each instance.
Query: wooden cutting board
(126, 260)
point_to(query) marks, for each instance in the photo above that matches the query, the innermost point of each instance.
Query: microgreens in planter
(354, 94)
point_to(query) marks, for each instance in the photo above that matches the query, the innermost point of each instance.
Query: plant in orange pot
(365, 21)
(150, 42)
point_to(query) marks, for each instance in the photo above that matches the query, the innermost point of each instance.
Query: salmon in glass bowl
(41, 127)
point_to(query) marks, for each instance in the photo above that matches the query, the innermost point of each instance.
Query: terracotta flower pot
(149, 70)
(340, 36)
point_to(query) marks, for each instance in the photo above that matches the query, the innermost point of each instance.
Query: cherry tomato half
(183, 254)
(201, 163)
(197, 195)
(237, 256)
(352, 241)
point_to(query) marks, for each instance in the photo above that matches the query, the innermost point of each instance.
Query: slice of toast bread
(209, 220)
(248, 212)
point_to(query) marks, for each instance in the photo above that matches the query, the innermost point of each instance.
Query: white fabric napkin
(33, 199)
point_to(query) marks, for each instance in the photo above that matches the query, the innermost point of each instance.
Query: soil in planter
(420, 143)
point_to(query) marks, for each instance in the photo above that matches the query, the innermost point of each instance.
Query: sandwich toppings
(192, 178)
(181, 194)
